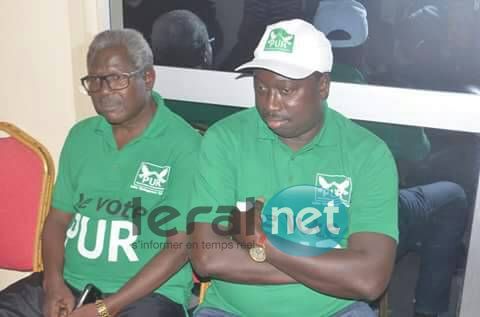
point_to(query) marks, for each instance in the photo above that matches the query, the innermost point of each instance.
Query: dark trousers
(25, 299)
(357, 309)
(432, 221)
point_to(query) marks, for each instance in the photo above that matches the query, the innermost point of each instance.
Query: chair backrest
(26, 182)
(200, 127)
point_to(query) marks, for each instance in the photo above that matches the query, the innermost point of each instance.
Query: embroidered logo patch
(151, 178)
(280, 40)
(338, 185)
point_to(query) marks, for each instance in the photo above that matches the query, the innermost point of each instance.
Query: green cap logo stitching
(280, 40)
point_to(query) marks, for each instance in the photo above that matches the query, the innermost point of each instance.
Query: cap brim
(281, 68)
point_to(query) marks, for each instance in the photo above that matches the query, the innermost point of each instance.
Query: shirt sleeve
(214, 181)
(180, 191)
(374, 205)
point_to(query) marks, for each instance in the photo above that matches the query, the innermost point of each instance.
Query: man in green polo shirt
(292, 138)
(431, 215)
(120, 200)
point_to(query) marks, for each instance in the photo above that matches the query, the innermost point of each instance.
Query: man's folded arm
(363, 268)
(231, 263)
(361, 271)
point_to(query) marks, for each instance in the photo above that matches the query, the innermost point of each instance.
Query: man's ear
(324, 85)
(149, 77)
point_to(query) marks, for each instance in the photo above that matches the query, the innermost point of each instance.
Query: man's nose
(104, 87)
(271, 101)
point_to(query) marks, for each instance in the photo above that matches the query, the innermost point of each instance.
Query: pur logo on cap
(280, 40)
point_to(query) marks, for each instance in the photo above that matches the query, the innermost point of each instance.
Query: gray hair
(138, 51)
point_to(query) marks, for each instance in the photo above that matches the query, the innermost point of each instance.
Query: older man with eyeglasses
(123, 184)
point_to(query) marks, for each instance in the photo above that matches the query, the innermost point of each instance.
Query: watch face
(258, 254)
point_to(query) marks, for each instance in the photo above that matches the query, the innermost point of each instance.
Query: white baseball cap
(344, 15)
(292, 48)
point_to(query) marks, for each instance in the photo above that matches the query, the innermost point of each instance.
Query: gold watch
(102, 310)
(258, 253)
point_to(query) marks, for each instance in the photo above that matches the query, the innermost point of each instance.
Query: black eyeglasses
(116, 81)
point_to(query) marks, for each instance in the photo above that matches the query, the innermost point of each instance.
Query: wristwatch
(258, 253)
(102, 310)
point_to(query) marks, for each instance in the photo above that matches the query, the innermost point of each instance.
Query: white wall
(41, 60)
(36, 62)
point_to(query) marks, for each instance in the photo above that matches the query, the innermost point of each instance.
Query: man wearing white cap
(344, 23)
(292, 138)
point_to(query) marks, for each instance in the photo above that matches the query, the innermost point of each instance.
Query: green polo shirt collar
(323, 138)
(157, 126)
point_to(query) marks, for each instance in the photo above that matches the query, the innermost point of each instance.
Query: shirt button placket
(291, 169)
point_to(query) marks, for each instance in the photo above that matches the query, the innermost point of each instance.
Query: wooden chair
(383, 305)
(200, 127)
(203, 291)
(26, 182)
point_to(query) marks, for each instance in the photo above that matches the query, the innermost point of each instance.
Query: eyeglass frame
(104, 79)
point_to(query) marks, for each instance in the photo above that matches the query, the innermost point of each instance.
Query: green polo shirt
(107, 243)
(346, 73)
(241, 157)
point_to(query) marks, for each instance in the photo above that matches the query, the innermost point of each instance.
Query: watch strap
(102, 310)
